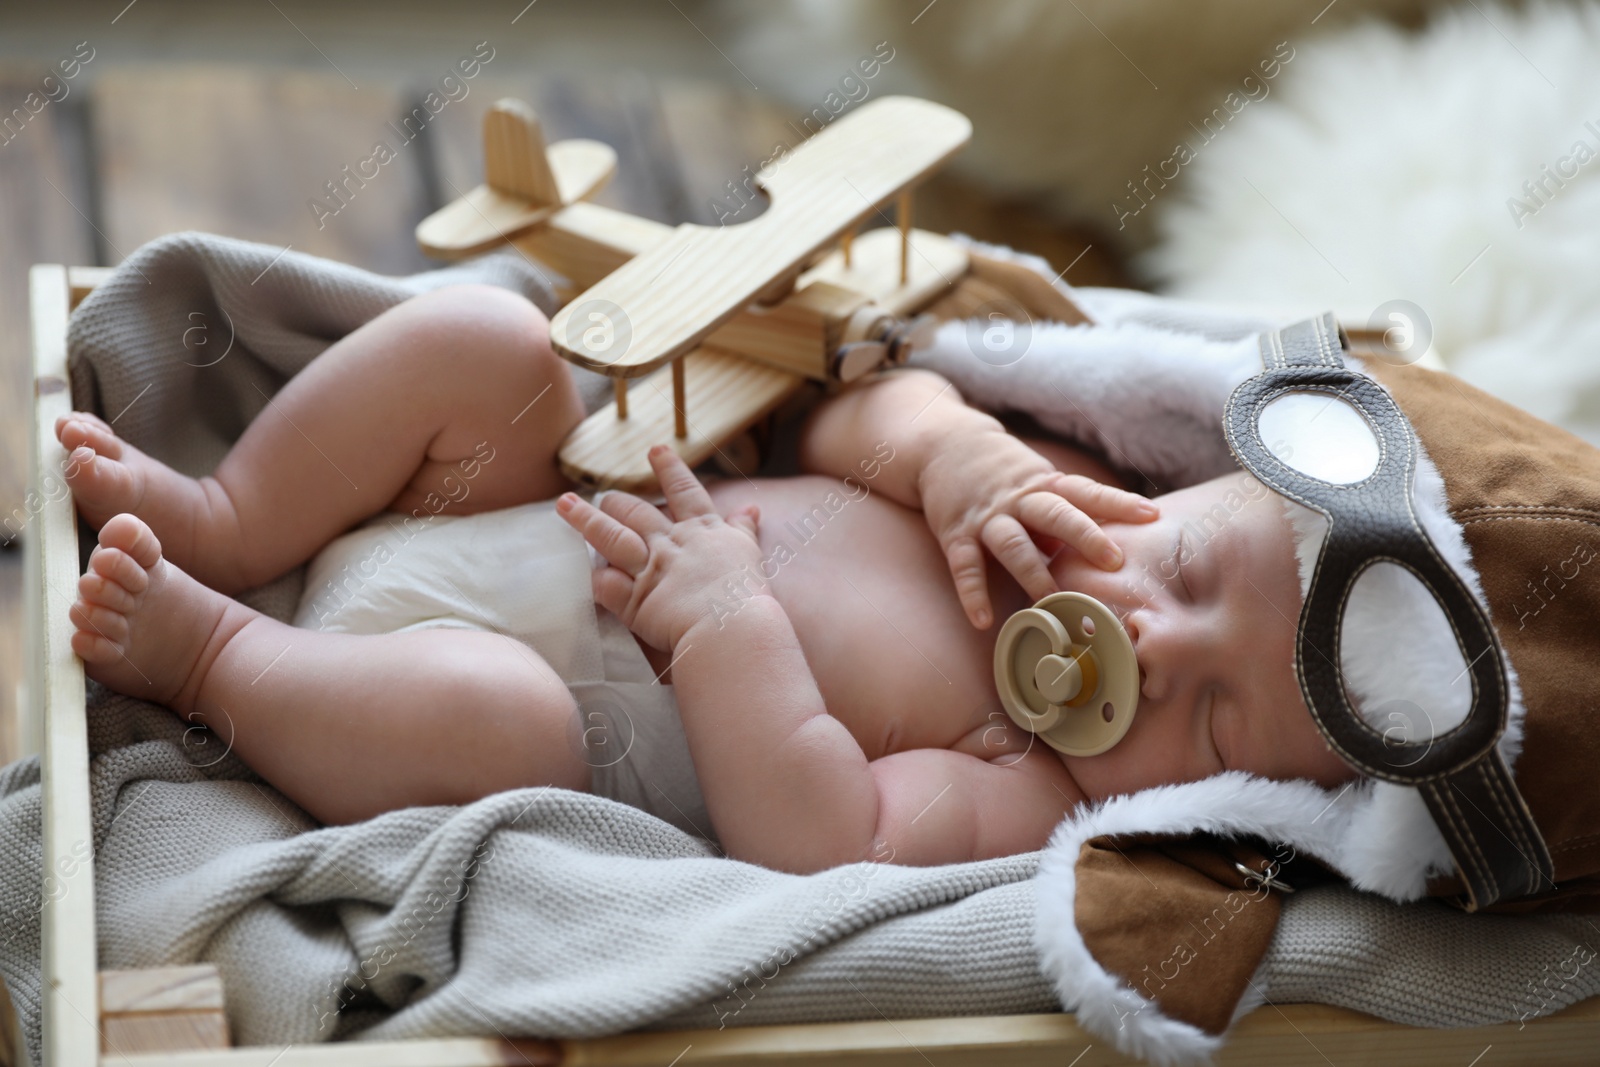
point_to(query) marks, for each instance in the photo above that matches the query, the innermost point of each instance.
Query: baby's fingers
(1105, 501)
(1014, 548)
(746, 518)
(613, 590)
(685, 495)
(620, 546)
(1055, 517)
(972, 581)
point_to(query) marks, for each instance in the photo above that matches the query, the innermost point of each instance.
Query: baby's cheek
(1101, 776)
(1146, 757)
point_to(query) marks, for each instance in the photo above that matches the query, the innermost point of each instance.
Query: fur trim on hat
(1230, 804)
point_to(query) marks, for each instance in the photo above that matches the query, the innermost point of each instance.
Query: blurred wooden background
(140, 149)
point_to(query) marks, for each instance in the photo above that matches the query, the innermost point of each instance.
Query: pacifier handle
(1066, 670)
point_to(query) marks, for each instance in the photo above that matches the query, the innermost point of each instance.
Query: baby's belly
(870, 596)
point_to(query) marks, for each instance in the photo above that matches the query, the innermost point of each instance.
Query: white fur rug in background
(1457, 167)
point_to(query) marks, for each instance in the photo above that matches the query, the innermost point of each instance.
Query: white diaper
(522, 572)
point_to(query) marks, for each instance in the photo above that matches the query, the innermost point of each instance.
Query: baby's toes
(116, 566)
(98, 590)
(81, 428)
(130, 534)
(101, 622)
(94, 649)
(100, 483)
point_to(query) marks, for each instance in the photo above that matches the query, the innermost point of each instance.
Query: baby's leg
(347, 726)
(452, 401)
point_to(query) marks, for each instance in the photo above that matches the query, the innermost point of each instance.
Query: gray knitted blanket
(547, 912)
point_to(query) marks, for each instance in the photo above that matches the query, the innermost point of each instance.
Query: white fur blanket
(1454, 168)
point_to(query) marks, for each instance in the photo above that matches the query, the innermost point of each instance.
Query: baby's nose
(1130, 625)
(1157, 651)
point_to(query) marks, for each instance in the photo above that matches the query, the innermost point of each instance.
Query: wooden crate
(75, 1026)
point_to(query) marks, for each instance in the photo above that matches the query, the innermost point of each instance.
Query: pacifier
(1066, 670)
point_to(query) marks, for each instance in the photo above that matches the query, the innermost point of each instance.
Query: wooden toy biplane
(725, 323)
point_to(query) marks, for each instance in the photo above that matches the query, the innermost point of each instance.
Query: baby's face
(1210, 595)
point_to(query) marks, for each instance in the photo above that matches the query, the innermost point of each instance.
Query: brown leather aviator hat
(1445, 649)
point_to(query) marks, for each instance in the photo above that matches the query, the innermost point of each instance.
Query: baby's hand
(664, 574)
(990, 488)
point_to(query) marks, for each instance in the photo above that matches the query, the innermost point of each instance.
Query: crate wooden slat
(422, 1052)
(162, 1009)
(81, 281)
(71, 998)
(1271, 1037)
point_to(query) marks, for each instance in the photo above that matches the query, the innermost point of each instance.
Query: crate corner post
(56, 701)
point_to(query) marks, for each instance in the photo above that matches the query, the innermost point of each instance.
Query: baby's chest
(911, 687)
(871, 599)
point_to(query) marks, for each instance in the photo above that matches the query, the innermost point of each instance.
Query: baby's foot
(109, 477)
(144, 627)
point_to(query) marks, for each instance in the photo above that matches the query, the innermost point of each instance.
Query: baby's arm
(978, 486)
(785, 783)
(913, 410)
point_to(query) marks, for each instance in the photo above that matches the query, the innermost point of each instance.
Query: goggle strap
(1465, 783)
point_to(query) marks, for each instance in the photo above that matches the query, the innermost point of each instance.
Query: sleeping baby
(806, 673)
